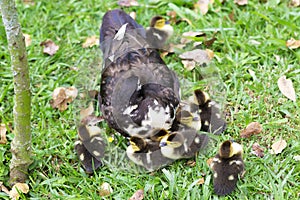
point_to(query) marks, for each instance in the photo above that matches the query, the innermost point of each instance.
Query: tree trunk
(21, 144)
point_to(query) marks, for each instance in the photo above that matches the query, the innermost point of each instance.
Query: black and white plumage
(184, 143)
(138, 91)
(227, 166)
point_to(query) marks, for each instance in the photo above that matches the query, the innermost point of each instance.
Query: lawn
(250, 55)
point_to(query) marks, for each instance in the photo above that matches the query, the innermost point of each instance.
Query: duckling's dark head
(157, 22)
(137, 143)
(229, 149)
(200, 97)
(158, 134)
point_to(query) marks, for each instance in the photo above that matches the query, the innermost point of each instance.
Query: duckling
(138, 91)
(184, 143)
(189, 119)
(90, 147)
(146, 153)
(159, 32)
(227, 166)
(209, 112)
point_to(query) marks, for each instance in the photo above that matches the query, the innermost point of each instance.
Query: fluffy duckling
(182, 144)
(189, 119)
(90, 148)
(159, 32)
(227, 166)
(146, 153)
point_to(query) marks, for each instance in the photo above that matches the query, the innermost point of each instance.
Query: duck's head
(137, 144)
(189, 119)
(173, 140)
(230, 148)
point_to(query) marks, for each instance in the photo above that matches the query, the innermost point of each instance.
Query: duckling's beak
(170, 144)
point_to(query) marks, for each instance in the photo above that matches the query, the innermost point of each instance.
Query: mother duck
(138, 91)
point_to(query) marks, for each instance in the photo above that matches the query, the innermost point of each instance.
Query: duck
(227, 166)
(159, 32)
(138, 92)
(146, 153)
(184, 143)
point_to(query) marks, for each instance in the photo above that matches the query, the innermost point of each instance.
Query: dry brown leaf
(90, 41)
(241, 2)
(293, 44)
(50, 47)
(29, 2)
(200, 181)
(257, 150)
(128, 3)
(295, 3)
(195, 57)
(132, 15)
(187, 35)
(62, 96)
(3, 188)
(3, 130)
(172, 14)
(87, 111)
(286, 88)
(105, 189)
(18, 187)
(278, 146)
(202, 6)
(188, 64)
(209, 161)
(138, 195)
(191, 163)
(252, 129)
(27, 39)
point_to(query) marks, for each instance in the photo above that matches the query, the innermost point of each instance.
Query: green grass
(56, 172)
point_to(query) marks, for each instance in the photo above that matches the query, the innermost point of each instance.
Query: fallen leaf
(87, 111)
(295, 3)
(3, 130)
(209, 161)
(286, 88)
(191, 163)
(252, 129)
(132, 15)
(202, 6)
(105, 189)
(50, 47)
(128, 3)
(278, 146)
(195, 57)
(62, 96)
(296, 157)
(241, 2)
(257, 150)
(187, 36)
(27, 39)
(172, 14)
(188, 64)
(210, 53)
(173, 47)
(18, 187)
(3, 188)
(200, 181)
(29, 2)
(138, 195)
(90, 41)
(293, 44)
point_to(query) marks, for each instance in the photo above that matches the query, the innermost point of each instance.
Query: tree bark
(21, 144)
